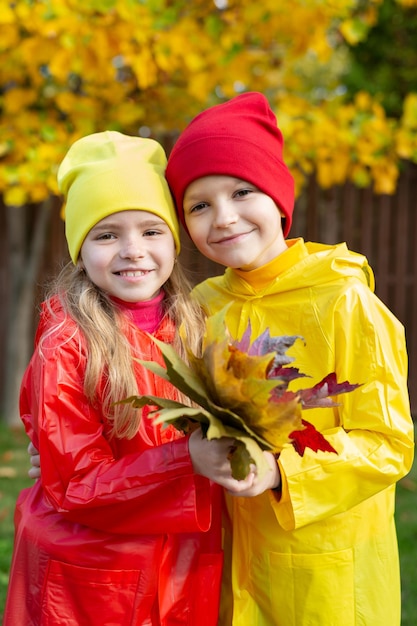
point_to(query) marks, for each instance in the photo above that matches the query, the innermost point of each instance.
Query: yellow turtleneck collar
(264, 275)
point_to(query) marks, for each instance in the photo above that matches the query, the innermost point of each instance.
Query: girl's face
(233, 223)
(129, 254)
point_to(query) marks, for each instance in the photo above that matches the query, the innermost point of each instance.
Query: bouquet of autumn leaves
(240, 390)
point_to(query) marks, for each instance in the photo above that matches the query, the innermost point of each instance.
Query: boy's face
(233, 223)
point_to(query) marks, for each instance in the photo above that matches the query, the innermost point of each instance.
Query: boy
(319, 549)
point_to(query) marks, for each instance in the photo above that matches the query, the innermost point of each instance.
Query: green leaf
(216, 327)
(155, 368)
(240, 460)
(184, 418)
(232, 420)
(171, 415)
(214, 427)
(138, 402)
(178, 373)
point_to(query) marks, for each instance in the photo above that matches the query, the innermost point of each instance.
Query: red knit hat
(238, 138)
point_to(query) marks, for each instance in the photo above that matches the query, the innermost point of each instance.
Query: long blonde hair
(109, 352)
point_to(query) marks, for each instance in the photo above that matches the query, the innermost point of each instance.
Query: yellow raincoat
(324, 553)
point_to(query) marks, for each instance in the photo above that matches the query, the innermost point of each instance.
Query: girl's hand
(209, 459)
(35, 461)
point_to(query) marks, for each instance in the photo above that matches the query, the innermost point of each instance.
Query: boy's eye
(197, 207)
(242, 192)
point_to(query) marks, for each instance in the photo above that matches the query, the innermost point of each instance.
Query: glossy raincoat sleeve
(372, 429)
(152, 491)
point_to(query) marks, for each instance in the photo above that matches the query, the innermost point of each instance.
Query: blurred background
(341, 76)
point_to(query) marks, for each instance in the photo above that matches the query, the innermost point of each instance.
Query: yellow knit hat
(109, 172)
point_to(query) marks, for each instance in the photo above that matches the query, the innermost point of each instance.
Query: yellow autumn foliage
(73, 67)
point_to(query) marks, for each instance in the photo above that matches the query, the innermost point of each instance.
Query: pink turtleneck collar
(146, 315)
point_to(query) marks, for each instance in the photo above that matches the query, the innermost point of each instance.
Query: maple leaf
(286, 374)
(266, 344)
(240, 390)
(320, 395)
(309, 437)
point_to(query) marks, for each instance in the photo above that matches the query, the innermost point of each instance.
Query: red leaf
(309, 438)
(286, 373)
(320, 394)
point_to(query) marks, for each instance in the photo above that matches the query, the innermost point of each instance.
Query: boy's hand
(271, 480)
(210, 459)
(35, 461)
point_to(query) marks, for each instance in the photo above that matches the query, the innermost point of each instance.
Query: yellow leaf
(360, 176)
(60, 63)
(385, 176)
(38, 193)
(66, 101)
(405, 143)
(6, 14)
(144, 68)
(363, 101)
(17, 99)
(409, 119)
(15, 196)
(9, 37)
(325, 174)
(277, 421)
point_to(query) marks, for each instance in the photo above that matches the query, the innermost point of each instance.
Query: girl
(120, 530)
(321, 549)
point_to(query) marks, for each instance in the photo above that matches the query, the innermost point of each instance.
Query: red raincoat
(111, 535)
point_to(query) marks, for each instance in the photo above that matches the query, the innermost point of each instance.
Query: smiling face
(232, 222)
(129, 254)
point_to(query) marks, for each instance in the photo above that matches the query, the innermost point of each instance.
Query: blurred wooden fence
(384, 228)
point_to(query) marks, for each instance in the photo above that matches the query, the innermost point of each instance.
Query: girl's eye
(151, 233)
(105, 236)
